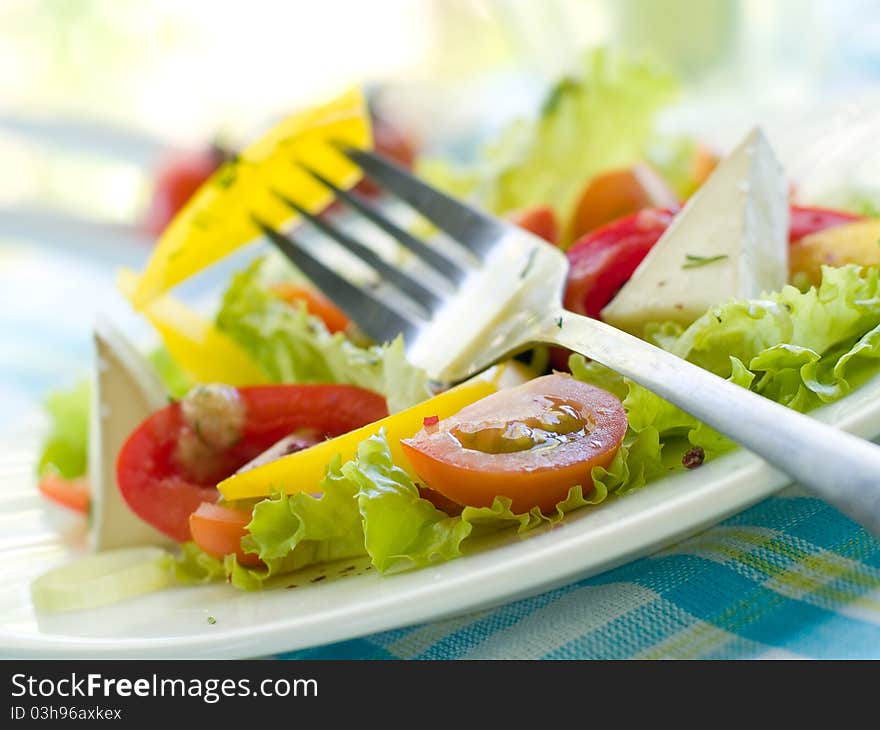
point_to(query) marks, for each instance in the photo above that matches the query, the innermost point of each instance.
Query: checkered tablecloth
(790, 577)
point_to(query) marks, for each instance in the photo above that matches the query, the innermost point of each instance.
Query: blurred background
(100, 99)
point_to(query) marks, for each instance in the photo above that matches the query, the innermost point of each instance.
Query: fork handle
(838, 467)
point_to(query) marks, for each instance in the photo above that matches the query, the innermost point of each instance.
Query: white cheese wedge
(126, 391)
(730, 241)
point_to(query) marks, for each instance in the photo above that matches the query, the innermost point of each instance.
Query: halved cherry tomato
(540, 220)
(218, 531)
(70, 493)
(804, 220)
(531, 444)
(171, 463)
(316, 304)
(618, 193)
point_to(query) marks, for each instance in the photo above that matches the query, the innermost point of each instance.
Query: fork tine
(468, 226)
(377, 319)
(424, 298)
(444, 266)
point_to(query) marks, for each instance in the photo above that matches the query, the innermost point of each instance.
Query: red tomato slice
(804, 221)
(164, 487)
(540, 220)
(70, 493)
(602, 261)
(218, 531)
(531, 443)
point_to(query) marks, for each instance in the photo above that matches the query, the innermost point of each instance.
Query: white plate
(345, 605)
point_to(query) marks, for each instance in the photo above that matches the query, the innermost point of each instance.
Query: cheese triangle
(126, 391)
(729, 242)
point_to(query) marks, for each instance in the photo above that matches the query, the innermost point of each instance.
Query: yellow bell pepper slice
(219, 218)
(196, 345)
(304, 470)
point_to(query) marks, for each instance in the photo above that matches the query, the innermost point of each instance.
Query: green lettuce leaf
(600, 119)
(403, 384)
(289, 532)
(800, 349)
(400, 528)
(176, 380)
(597, 119)
(370, 506)
(65, 450)
(193, 566)
(638, 461)
(291, 346)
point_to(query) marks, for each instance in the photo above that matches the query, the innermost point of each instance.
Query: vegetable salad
(290, 440)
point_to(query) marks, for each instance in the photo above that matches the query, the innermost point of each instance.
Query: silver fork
(507, 298)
